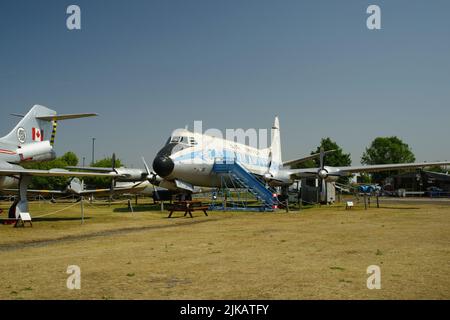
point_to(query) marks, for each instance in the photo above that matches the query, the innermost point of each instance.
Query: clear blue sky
(148, 67)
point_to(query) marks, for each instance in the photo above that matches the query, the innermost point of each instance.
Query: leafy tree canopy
(99, 182)
(385, 150)
(70, 158)
(338, 158)
(52, 183)
(107, 163)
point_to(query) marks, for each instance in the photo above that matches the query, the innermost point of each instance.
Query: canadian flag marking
(37, 134)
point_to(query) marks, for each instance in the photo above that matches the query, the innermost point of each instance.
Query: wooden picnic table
(187, 207)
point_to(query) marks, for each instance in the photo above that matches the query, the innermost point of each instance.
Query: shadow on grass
(60, 219)
(139, 208)
(398, 208)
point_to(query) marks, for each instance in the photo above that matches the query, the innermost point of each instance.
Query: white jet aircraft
(32, 140)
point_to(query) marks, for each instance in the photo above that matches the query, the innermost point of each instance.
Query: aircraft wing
(294, 162)
(117, 190)
(346, 171)
(303, 173)
(443, 174)
(94, 169)
(97, 192)
(32, 192)
(54, 173)
(388, 167)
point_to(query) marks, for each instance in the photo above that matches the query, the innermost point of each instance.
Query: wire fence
(57, 211)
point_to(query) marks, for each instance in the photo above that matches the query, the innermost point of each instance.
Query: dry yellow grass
(319, 253)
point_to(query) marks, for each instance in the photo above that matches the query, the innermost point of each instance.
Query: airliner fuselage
(189, 157)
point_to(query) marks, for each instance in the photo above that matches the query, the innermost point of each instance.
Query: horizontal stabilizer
(58, 117)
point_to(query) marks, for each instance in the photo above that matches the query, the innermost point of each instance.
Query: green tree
(99, 182)
(51, 183)
(70, 158)
(338, 158)
(335, 159)
(385, 150)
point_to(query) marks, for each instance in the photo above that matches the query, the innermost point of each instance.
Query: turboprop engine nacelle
(329, 174)
(39, 151)
(131, 175)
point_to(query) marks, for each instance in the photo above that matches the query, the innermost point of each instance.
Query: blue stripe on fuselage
(211, 154)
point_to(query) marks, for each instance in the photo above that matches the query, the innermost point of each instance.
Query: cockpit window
(183, 139)
(192, 141)
(175, 139)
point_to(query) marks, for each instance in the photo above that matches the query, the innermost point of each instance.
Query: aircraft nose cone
(163, 165)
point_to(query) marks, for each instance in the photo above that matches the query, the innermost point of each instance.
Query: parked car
(370, 188)
(434, 191)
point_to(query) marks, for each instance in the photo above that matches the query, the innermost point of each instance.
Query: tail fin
(275, 148)
(31, 128)
(76, 186)
(39, 124)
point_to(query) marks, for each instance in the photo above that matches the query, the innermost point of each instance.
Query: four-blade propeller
(323, 173)
(152, 177)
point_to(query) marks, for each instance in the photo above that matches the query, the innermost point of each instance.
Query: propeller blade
(146, 166)
(322, 156)
(113, 180)
(323, 191)
(111, 189)
(152, 178)
(156, 193)
(323, 186)
(113, 162)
